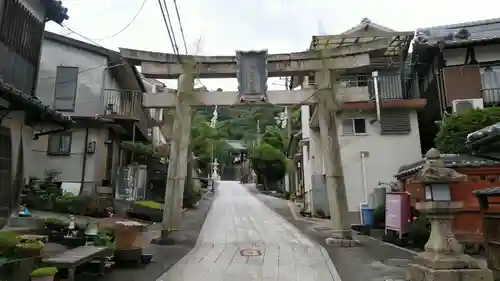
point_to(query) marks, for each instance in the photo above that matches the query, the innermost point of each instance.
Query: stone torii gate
(252, 70)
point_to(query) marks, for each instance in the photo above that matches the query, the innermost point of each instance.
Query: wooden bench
(73, 258)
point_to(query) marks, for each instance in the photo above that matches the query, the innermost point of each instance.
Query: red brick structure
(482, 173)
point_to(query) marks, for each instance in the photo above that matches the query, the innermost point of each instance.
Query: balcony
(126, 105)
(360, 88)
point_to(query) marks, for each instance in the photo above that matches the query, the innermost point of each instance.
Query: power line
(170, 31)
(127, 25)
(84, 37)
(180, 26)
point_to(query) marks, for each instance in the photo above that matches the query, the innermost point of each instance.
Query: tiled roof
(480, 137)
(475, 31)
(450, 161)
(32, 103)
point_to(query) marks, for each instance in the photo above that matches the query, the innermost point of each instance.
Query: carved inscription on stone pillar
(252, 75)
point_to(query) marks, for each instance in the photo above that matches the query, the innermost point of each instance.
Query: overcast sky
(277, 25)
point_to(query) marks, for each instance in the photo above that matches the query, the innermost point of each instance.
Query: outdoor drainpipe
(84, 159)
(365, 191)
(376, 92)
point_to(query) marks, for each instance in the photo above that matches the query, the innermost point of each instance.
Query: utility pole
(327, 113)
(177, 168)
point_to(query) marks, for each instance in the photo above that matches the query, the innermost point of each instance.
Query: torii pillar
(178, 160)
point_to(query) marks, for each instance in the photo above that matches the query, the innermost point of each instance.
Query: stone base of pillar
(164, 239)
(418, 272)
(342, 242)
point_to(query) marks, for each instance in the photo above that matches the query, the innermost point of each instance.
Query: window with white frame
(354, 126)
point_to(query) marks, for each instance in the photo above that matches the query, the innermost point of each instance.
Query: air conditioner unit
(460, 106)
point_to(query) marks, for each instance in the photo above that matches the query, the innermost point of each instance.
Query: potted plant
(44, 274)
(54, 224)
(8, 242)
(149, 210)
(29, 249)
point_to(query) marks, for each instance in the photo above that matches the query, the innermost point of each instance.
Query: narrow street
(242, 239)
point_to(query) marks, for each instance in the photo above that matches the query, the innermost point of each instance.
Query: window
(355, 80)
(354, 126)
(60, 144)
(65, 88)
(490, 77)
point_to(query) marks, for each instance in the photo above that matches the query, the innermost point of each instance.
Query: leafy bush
(30, 244)
(104, 239)
(419, 231)
(454, 129)
(71, 204)
(44, 271)
(379, 217)
(149, 204)
(269, 163)
(8, 242)
(55, 224)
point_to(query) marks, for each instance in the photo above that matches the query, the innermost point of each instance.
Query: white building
(378, 126)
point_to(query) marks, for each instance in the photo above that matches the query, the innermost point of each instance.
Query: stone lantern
(443, 258)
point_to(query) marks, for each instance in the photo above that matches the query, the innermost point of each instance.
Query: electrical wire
(127, 25)
(170, 31)
(180, 26)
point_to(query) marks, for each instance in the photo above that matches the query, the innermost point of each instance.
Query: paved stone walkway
(242, 239)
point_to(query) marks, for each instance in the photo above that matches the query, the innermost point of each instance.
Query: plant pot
(28, 252)
(43, 278)
(128, 234)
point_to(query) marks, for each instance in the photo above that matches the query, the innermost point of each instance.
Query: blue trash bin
(367, 215)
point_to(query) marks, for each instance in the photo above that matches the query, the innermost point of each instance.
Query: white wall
(71, 165)
(386, 154)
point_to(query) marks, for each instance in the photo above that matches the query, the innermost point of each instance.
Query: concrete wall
(92, 68)
(71, 165)
(306, 159)
(385, 155)
(156, 113)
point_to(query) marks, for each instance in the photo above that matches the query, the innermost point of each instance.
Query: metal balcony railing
(491, 96)
(128, 104)
(120, 102)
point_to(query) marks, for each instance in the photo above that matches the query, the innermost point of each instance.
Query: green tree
(205, 141)
(269, 163)
(454, 129)
(273, 136)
